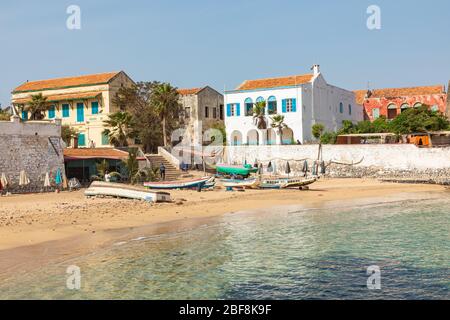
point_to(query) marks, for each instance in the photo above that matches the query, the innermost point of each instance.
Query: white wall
(397, 157)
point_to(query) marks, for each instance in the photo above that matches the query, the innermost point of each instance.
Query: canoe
(123, 191)
(235, 169)
(282, 183)
(205, 182)
(235, 183)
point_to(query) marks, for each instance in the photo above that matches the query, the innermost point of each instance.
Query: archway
(287, 136)
(253, 137)
(271, 136)
(392, 111)
(236, 138)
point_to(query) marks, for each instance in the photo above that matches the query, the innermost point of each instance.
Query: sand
(35, 229)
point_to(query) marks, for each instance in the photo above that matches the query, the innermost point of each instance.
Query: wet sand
(46, 228)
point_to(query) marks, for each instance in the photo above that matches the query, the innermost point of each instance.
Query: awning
(94, 153)
(63, 97)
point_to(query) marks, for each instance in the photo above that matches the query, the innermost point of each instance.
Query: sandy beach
(37, 228)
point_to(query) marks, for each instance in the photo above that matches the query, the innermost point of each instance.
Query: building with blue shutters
(303, 100)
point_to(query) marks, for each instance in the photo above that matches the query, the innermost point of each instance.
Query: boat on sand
(236, 183)
(108, 189)
(283, 183)
(205, 182)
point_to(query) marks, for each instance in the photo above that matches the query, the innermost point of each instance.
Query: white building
(303, 100)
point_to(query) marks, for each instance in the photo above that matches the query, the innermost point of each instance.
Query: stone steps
(172, 172)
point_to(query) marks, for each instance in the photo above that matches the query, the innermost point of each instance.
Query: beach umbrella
(322, 167)
(270, 167)
(47, 181)
(314, 169)
(260, 169)
(255, 165)
(58, 177)
(4, 180)
(65, 184)
(288, 168)
(305, 166)
(23, 179)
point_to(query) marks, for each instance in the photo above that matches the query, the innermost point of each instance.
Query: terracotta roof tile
(399, 92)
(102, 153)
(185, 92)
(62, 97)
(275, 82)
(66, 82)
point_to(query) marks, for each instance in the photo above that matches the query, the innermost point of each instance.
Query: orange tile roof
(62, 97)
(85, 80)
(275, 82)
(185, 92)
(102, 153)
(400, 92)
(360, 96)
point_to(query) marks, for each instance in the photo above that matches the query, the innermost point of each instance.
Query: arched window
(435, 108)
(392, 111)
(260, 99)
(248, 107)
(418, 105)
(350, 109)
(272, 105)
(404, 107)
(341, 107)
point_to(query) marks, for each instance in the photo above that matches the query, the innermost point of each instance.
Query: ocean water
(283, 253)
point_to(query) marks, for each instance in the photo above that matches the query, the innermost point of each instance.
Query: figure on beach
(162, 171)
(107, 177)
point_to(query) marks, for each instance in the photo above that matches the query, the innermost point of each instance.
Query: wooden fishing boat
(236, 183)
(205, 182)
(236, 170)
(108, 189)
(283, 183)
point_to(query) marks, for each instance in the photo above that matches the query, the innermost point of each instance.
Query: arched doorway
(236, 138)
(253, 137)
(271, 136)
(287, 136)
(392, 111)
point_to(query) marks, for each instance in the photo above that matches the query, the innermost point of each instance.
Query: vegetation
(68, 133)
(259, 114)
(132, 166)
(119, 128)
(4, 115)
(37, 107)
(278, 124)
(221, 127)
(317, 130)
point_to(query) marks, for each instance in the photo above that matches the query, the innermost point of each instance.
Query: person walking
(162, 171)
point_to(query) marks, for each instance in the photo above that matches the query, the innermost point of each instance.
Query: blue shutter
(80, 112)
(94, 106)
(24, 115)
(284, 105)
(51, 112)
(294, 105)
(81, 139)
(238, 109)
(65, 110)
(228, 110)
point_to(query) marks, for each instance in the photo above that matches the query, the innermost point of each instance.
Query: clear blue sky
(221, 43)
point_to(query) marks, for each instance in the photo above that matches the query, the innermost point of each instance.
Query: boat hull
(128, 192)
(206, 182)
(234, 183)
(283, 183)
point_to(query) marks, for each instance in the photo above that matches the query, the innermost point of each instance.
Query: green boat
(236, 170)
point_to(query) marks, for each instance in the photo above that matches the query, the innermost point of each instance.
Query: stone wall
(34, 146)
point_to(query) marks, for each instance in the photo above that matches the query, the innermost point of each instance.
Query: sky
(192, 43)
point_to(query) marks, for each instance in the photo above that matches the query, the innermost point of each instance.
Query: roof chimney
(316, 69)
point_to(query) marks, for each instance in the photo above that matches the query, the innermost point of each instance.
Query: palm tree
(132, 166)
(165, 101)
(68, 133)
(4, 115)
(259, 114)
(37, 106)
(278, 124)
(120, 128)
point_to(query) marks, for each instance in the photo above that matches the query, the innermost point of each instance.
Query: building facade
(391, 102)
(81, 102)
(203, 108)
(303, 101)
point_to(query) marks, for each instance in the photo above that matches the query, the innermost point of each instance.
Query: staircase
(172, 172)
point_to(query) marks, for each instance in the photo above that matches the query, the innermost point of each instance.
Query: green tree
(259, 114)
(328, 138)
(4, 115)
(418, 120)
(131, 164)
(317, 130)
(37, 106)
(221, 127)
(347, 127)
(278, 124)
(68, 133)
(119, 128)
(165, 100)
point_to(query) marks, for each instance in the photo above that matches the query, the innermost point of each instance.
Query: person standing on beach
(162, 171)
(107, 176)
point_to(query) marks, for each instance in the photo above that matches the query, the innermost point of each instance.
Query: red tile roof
(275, 82)
(62, 97)
(94, 153)
(185, 92)
(85, 80)
(399, 92)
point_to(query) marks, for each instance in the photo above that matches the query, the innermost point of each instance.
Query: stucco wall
(396, 157)
(26, 146)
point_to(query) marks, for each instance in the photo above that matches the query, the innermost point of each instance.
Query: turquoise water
(285, 254)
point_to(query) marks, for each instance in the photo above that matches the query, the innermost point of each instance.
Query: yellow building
(81, 102)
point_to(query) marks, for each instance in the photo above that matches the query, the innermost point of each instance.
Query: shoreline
(54, 237)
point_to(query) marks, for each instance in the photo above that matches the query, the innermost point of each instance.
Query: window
(376, 113)
(350, 109)
(81, 140)
(80, 112)
(435, 108)
(105, 139)
(289, 105)
(341, 107)
(248, 107)
(51, 112)
(233, 110)
(187, 112)
(214, 113)
(65, 110)
(24, 115)
(404, 107)
(94, 107)
(221, 112)
(206, 112)
(272, 105)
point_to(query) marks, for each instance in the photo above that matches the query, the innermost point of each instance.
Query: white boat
(98, 188)
(283, 183)
(236, 183)
(205, 182)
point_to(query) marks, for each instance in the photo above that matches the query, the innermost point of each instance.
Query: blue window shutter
(94, 106)
(65, 110)
(24, 115)
(228, 110)
(80, 112)
(284, 105)
(294, 105)
(51, 112)
(81, 139)
(238, 109)
(105, 139)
